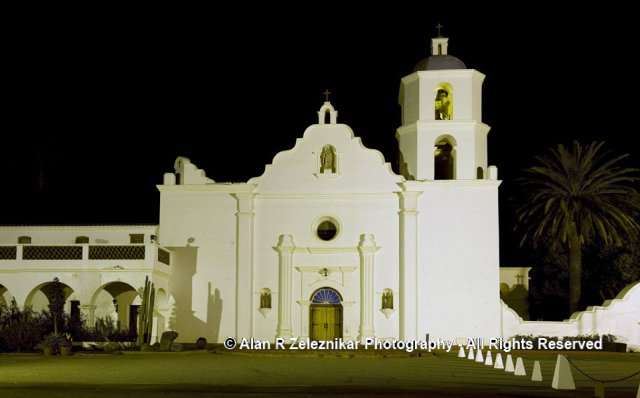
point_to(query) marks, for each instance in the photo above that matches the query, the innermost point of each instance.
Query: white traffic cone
(489, 359)
(461, 353)
(562, 376)
(509, 366)
(536, 375)
(498, 364)
(470, 354)
(479, 357)
(520, 368)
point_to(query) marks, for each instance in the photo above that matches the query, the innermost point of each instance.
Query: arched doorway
(325, 314)
(118, 301)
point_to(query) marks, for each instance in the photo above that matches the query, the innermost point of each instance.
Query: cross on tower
(439, 27)
(326, 95)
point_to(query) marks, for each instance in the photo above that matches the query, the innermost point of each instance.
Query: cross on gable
(326, 95)
(439, 27)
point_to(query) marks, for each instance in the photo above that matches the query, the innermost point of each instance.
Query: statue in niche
(327, 159)
(387, 299)
(265, 300)
(443, 105)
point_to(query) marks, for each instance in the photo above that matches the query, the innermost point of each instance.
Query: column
(408, 303)
(367, 248)
(244, 265)
(347, 321)
(285, 259)
(304, 316)
(88, 313)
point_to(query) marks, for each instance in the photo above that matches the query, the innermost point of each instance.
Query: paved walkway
(203, 374)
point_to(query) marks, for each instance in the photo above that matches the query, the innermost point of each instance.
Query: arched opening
(265, 298)
(325, 314)
(161, 313)
(443, 103)
(439, 49)
(39, 297)
(5, 296)
(387, 299)
(480, 173)
(444, 159)
(115, 300)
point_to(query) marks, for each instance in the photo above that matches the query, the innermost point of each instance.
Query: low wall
(619, 317)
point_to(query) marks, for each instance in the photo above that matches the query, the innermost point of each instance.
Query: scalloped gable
(356, 169)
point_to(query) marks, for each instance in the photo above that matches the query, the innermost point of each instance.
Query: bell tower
(442, 136)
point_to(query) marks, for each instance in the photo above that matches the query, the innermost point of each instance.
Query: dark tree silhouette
(56, 302)
(578, 196)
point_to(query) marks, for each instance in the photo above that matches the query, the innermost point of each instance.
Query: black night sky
(98, 106)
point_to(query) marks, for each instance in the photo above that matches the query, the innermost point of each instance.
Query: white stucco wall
(458, 259)
(64, 235)
(292, 195)
(198, 222)
(620, 317)
(420, 132)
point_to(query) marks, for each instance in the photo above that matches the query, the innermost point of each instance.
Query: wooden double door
(326, 321)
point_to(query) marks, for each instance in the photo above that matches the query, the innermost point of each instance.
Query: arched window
(480, 173)
(444, 102)
(444, 160)
(326, 295)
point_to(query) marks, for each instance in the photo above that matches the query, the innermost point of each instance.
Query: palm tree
(579, 196)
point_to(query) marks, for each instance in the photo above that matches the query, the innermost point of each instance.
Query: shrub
(21, 330)
(55, 341)
(201, 343)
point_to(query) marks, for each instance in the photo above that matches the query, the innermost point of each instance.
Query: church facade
(328, 243)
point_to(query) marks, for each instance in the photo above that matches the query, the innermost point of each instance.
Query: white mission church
(329, 242)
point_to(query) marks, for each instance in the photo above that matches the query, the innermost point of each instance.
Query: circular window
(326, 228)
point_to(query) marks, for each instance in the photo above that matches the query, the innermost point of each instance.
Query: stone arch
(444, 158)
(161, 313)
(326, 295)
(333, 114)
(38, 297)
(443, 103)
(5, 295)
(326, 314)
(116, 300)
(162, 300)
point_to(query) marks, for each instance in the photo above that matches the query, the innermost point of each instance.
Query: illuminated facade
(328, 242)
